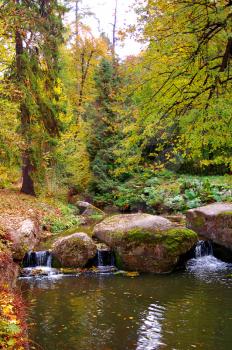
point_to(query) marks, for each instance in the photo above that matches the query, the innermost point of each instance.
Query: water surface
(190, 310)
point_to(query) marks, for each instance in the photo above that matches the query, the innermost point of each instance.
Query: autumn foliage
(12, 320)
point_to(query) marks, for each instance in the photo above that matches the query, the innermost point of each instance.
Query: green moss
(142, 236)
(228, 216)
(48, 244)
(182, 231)
(96, 217)
(56, 263)
(227, 213)
(118, 261)
(172, 239)
(176, 238)
(149, 236)
(198, 221)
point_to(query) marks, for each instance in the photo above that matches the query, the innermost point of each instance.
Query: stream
(179, 311)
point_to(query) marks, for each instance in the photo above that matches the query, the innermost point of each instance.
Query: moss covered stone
(176, 239)
(217, 223)
(74, 250)
(150, 237)
(147, 246)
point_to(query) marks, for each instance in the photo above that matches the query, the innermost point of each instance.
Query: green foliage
(166, 192)
(96, 217)
(181, 88)
(34, 74)
(8, 175)
(104, 134)
(7, 334)
(73, 165)
(66, 219)
(10, 140)
(79, 63)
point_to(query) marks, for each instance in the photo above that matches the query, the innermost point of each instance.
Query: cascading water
(203, 248)
(204, 262)
(35, 259)
(105, 261)
(38, 264)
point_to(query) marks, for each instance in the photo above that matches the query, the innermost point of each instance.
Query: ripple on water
(177, 311)
(150, 331)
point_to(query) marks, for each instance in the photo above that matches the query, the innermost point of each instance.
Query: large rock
(74, 250)
(213, 221)
(24, 233)
(145, 243)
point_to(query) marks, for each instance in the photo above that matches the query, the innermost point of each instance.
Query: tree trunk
(114, 39)
(27, 181)
(28, 184)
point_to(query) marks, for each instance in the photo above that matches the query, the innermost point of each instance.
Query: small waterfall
(38, 264)
(105, 258)
(203, 248)
(100, 261)
(204, 261)
(35, 259)
(105, 261)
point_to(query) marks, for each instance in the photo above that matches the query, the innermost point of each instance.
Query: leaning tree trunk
(27, 181)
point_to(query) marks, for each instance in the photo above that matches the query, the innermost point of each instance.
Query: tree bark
(28, 184)
(114, 39)
(27, 181)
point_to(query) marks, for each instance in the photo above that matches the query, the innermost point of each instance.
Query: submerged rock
(74, 250)
(214, 222)
(145, 243)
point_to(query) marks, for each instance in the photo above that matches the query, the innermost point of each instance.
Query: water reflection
(104, 312)
(41, 282)
(150, 332)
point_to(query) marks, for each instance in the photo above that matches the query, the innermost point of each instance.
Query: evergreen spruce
(37, 39)
(104, 125)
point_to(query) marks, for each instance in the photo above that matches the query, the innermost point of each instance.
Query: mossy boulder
(214, 222)
(145, 243)
(74, 250)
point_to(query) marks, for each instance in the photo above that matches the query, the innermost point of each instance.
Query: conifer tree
(37, 29)
(104, 125)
